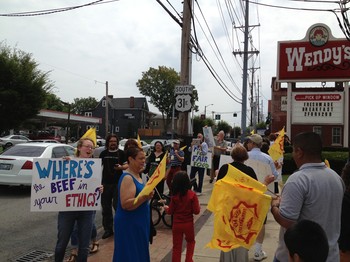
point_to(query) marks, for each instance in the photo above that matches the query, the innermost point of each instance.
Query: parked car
(10, 140)
(16, 162)
(100, 141)
(145, 146)
(45, 141)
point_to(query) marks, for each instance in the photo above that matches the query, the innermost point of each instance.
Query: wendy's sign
(66, 185)
(317, 57)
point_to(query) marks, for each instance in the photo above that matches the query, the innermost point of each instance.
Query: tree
(23, 87)
(159, 85)
(53, 102)
(199, 123)
(83, 104)
(223, 125)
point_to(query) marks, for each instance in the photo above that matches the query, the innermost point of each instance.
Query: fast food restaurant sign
(317, 57)
(317, 107)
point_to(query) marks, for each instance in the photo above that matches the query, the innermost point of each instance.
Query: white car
(10, 140)
(145, 146)
(16, 162)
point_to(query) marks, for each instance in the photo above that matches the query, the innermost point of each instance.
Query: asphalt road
(22, 231)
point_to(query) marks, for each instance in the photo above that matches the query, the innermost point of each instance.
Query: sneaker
(198, 193)
(260, 256)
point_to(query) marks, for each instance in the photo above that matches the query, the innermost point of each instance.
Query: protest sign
(200, 160)
(66, 185)
(208, 136)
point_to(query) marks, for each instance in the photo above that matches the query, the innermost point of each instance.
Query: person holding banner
(199, 150)
(132, 220)
(153, 161)
(254, 143)
(83, 219)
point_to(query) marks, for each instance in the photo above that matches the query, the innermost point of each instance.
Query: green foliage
(235, 132)
(199, 123)
(53, 102)
(223, 125)
(261, 125)
(159, 85)
(23, 87)
(83, 104)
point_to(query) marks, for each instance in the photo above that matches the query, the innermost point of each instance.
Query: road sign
(183, 89)
(183, 103)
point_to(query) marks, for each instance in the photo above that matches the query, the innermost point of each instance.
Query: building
(322, 58)
(125, 116)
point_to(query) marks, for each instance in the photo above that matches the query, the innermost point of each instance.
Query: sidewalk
(160, 250)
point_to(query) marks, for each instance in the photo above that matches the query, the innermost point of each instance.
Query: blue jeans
(74, 242)
(200, 170)
(65, 225)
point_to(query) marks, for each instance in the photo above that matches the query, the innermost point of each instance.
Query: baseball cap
(176, 142)
(255, 138)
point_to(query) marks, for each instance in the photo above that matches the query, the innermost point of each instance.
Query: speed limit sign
(183, 103)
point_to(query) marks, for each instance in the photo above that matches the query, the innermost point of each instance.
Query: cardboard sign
(208, 136)
(66, 185)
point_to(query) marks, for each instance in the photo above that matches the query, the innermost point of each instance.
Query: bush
(336, 159)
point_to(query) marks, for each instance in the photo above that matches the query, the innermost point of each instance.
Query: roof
(125, 102)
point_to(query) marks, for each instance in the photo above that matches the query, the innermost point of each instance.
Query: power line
(55, 10)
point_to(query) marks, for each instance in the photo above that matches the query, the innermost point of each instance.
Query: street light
(205, 109)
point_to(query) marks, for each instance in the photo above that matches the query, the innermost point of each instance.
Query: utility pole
(245, 69)
(185, 62)
(106, 116)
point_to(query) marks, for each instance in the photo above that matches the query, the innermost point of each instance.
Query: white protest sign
(66, 185)
(208, 136)
(200, 160)
(261, 170)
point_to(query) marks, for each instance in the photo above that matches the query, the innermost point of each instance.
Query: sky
(118, 40)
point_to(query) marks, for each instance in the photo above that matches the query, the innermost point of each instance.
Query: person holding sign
(219, 149)
(153, 161)
(84, 219)
(199, 150)
(132, 220)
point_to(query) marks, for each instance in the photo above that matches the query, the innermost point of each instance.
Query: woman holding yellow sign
(132, 220)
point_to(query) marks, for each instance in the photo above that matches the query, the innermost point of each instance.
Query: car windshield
(22, 150)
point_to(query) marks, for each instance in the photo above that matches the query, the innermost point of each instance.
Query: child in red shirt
(184, 203)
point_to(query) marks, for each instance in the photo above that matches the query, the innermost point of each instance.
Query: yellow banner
(157, 176)
(91, 133)
(239, 208)
(277, 149)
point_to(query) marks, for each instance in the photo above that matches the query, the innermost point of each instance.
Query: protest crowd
(244, 195)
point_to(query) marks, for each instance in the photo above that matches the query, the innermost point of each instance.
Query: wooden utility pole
(185, 61)
(106, 116)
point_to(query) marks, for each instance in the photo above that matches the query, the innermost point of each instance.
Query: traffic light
(202, 116)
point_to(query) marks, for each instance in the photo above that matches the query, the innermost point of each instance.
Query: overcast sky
(117, 41)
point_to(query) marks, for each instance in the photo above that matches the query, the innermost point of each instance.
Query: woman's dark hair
(345, 174)
(181, 183)
(132, 152)
(109, 137)
(159, 142)
(265, 147)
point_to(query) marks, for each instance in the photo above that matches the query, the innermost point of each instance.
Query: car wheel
(7, 145)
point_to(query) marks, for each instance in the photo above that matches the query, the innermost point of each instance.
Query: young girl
(184, 203)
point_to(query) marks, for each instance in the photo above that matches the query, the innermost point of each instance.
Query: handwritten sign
(200, 160)
(66, 185)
